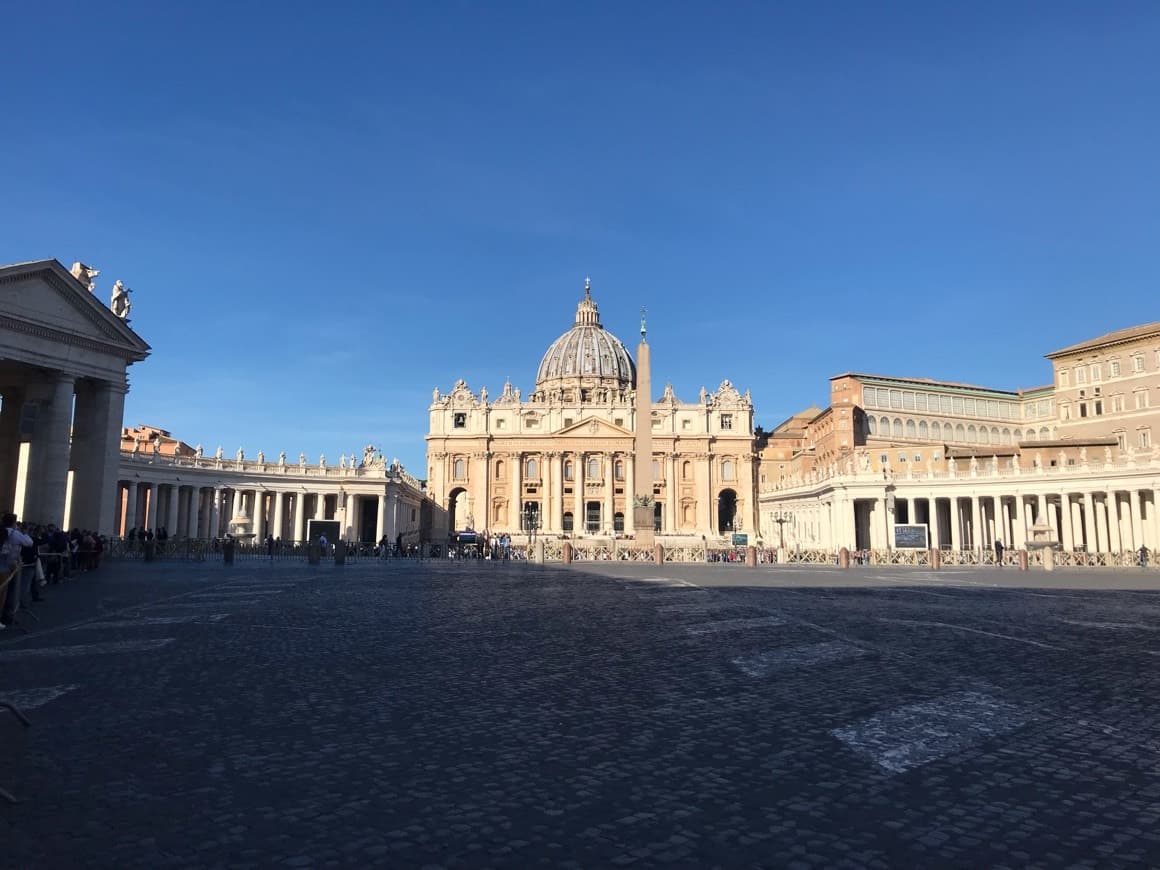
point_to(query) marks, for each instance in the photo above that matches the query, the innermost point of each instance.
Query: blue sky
(325, 213)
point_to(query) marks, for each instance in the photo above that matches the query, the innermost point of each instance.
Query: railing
(200, 550)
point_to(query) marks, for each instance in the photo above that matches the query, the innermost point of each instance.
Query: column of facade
(1076, 523)
(557, 511)
(381, 518)
(319, 506)
(279, 527)
(1041, 510)
(1065, 532)
(193, 497)
(995, 523)
(890, 518)
(1113, 513)
(629, 495)
(976, 523)
(1019, 521)
(171, 505)
(152, 491)
(350, 515)
(48, 452)
(932, 521)
(581, 469)
(1137, 524)
(671, 490)
(956, 528)
(130, 507)
(609, 467)
(1005, 519)
(1089, 510)
(215, 521)
(300, 515)
(517, 463)
(96, 454)
(702, 471)
(261, 528)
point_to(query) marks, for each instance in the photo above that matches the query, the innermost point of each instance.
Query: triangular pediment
(594, 427)
(44, 298)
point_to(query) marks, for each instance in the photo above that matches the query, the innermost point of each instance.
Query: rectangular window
(1096, 373)
(1138, 363)
(1114, 365)
(1117, 403)
(1083, 409)
(686, 425)
(896, 398)
(1099, 409)
(901, 457)
(944, 403)
(920, 401)
(992, 408)
(957, 404)
(883, 459)
(1080, 375)
(501, 424)
(1063, 377)
(918, 457)
(869, 397)
(460, 421)
(726, 421)
(1145, 438)
(1141, 399)
(969, 407)
(1065, 412)
(1122, 440)
(908, 401)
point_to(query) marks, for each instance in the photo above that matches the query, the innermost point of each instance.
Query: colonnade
(1112, 518)
(197, 511)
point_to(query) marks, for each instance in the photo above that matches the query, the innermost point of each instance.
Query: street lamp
(781, 518)
(531, 520)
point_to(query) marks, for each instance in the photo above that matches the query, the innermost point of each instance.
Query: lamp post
(781, 518)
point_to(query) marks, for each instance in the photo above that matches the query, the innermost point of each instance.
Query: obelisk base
(642, 521)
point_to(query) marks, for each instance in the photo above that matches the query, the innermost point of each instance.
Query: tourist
(323, 544)
(384, 547)
(1143, 556)
(999, 553)
(270, 547)
(14, 541)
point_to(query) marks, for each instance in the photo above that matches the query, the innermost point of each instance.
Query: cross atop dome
(587, 313)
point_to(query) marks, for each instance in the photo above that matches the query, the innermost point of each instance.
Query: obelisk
(642, 484)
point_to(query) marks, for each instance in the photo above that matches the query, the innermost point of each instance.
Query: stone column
(932, 522)
(629, 500)
(578, 503)
(1089, 510)
(381, 518)
(1137, 523)
(191, 516)
(300, 515)
(998, 533)
(608, 465)
(151, 507)
(671, 490)
(96, 454)
(1020, 530)
(130, 507)
(279, 515)
(215, 517)
(171, 506)
(350, 520)
(1112, 511)
(956, 528)
(259, 526)
(1065, 537)
(558, 485)
(977, 541)
(517, 496)
(319, 506)
(1041, 512)
(889, 517)
(48, 452)
(10, 412)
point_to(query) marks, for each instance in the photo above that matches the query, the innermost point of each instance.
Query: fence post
(659, 554)
(751, 557)
(935, 559)
(1023, 561)
(566, 555)
(1048, 559)
(844, 558)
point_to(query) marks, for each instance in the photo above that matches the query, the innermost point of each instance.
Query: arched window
(873, 424)
(897, 428)
(499, 469)
(618, 470)
(1044, 433)
(567, 469)
(686, 469)
(994, 434)
(960, 433)
(1005, 438)
(911, 429)
(923, 431)
(459, 469)
(936, 431)
(1018, 435)
(1030, 435)
(884, 427)
(727, 470)
(532, 470)
(972, 435)
(593, 468)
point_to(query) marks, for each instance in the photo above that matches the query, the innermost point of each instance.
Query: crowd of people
(33, 557)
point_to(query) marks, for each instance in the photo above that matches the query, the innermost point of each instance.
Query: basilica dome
(587, 355)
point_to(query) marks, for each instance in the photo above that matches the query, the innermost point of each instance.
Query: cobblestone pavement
(501, 714)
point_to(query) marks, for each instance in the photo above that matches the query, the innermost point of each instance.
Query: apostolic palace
(890, 464)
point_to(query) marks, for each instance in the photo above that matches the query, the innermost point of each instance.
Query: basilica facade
(589, 453)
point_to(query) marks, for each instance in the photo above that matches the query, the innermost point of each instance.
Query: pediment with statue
(727, 396)
(459, 397)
